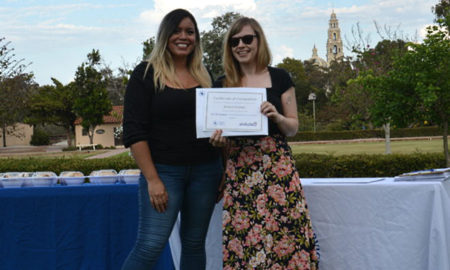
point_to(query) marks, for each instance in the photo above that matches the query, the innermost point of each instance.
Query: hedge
(58, 165)
(314, 165)
(370, 133)
(309, 165)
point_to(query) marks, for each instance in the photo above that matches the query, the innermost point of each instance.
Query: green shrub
(70, 148)
(309, 165)
(313, 165)
(39, 137)
(58, 165)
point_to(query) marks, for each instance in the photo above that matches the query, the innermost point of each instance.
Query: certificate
(236, 111)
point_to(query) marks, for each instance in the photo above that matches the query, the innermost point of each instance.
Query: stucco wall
(22, 135)
(106, 139)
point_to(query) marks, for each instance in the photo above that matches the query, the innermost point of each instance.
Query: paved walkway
(24, 149)
(19, 150)
(109, 153)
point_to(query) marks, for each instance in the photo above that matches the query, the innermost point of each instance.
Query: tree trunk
(69, 137)
(91, 134)
(4, 135)
(445, 139)
(387, 136)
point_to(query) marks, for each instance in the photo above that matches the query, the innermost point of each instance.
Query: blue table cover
(76, 227)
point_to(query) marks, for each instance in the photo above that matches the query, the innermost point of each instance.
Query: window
(334, 36)
(100, 131)
(84, 132)
(335, 49)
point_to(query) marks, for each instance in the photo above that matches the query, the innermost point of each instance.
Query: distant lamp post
(312, 97)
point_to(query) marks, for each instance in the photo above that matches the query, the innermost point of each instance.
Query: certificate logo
(248, 124)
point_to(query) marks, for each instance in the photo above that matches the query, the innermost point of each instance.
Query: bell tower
(335, 50)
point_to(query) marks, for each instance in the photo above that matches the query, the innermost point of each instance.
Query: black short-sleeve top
(281, 82)
(165, 119)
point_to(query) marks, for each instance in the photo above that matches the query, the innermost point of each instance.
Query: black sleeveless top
(281, 82)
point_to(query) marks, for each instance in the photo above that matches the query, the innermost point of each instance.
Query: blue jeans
(192, 190)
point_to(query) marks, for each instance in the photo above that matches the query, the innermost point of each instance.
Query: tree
(378, 59)
(54, 104)
(15, 88)
(212, 42)
(316, 76)
(352, 102)
(149, 44)
(318, 82)
(10, 66)
(427, 67)
(382, 108)
(115, 84)
(370, 87)
(381, 58)
(442, 12)
(91, 102)
(14, 95)
(417, 88)
(347, 103)
(295, 68)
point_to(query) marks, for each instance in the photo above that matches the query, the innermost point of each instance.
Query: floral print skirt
(266, 223)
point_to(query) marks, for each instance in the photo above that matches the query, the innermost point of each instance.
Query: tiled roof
(115, 116)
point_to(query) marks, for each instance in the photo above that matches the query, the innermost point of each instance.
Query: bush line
(314, 165)
(309, 165)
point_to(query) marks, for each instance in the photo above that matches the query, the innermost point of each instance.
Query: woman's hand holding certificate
(236, 111)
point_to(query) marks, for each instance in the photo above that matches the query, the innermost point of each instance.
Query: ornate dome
(316, 60)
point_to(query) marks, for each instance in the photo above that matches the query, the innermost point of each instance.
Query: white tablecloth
(382, 225)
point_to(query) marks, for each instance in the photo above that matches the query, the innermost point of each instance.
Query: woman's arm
(287, 123)
(156, 189)
(136, 127)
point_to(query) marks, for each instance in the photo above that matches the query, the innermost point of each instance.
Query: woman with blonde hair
(180, 173)
(266, 224)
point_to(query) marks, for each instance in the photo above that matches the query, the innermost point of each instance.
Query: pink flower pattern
(266, 222)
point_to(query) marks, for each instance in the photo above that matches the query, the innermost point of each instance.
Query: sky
(55, 36)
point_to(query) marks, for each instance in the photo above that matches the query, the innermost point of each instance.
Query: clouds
(200, 9)
(51, 23)
(281, 53)
(405, 12)
(45, 31)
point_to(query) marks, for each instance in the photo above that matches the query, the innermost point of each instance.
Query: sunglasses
(247, 39)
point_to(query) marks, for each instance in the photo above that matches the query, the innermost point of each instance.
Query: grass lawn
(124, 154)
(397, 147)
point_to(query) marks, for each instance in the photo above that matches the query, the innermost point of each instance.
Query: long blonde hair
(161, 59)
(233, 72)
